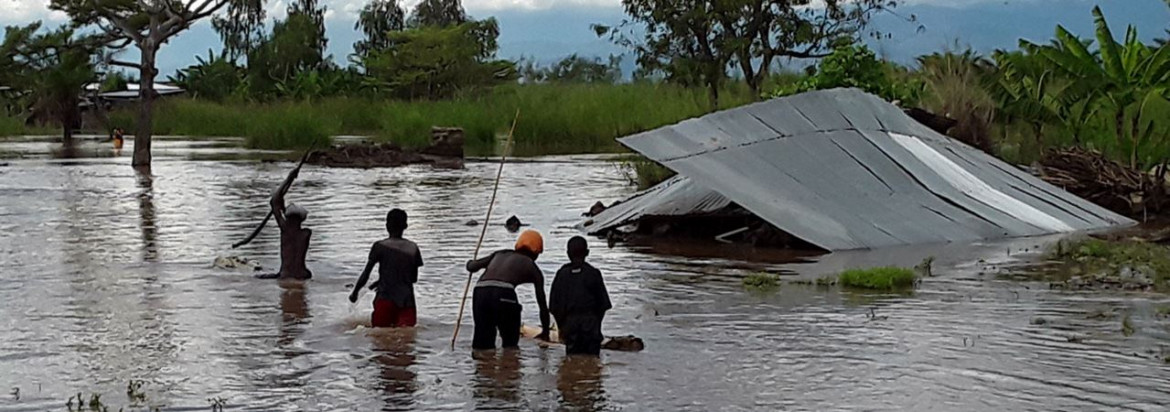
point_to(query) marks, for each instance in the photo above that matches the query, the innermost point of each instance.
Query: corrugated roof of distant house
(843, 169)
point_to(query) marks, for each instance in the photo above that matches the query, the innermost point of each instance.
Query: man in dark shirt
(578, 301)
(494, 305)
(398, 261)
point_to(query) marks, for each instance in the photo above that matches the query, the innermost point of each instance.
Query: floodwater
(107, 278)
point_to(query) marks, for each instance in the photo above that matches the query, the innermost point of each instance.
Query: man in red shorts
(398, 261)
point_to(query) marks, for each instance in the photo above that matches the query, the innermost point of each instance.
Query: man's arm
(277, 204)
(543, 304)
(481, 264)
(278, 197)
(599, 290)
(365, 277)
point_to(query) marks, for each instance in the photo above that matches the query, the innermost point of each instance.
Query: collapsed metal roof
(843, 169)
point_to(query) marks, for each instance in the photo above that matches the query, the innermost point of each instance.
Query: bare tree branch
(125, 64)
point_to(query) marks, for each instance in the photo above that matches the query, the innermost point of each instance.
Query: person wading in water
(578, 300)
(398, 261)
(294, 239)
(494, 305)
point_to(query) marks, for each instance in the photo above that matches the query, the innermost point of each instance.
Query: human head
(296, 214)
(578, 249)
(530, 242)
(396, 221)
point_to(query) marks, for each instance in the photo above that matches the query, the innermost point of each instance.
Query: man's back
(578, 290)
(294, 246)
(398, 262)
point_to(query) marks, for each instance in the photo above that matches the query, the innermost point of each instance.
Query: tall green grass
(11, 126)
(291, 127)
(554, 118)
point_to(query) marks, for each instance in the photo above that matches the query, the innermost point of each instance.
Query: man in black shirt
(398, 261)
(578, 301)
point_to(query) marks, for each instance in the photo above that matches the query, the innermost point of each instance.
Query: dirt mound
(445, 150)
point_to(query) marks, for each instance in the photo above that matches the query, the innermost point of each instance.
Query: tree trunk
(145, 122)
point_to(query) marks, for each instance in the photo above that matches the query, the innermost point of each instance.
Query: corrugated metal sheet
(843, 169)
(677, 196)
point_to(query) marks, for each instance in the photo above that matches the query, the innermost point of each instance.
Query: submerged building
(840, 169)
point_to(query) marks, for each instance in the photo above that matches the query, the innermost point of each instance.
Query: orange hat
(532, 241)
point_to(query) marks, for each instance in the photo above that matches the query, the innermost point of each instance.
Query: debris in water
(446, 150)
(513, 224)
(1039, 321)
(472, 222)
(236, 263)
(761, 281)
(1127, 327)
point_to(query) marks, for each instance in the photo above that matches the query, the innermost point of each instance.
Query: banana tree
(1125, 77)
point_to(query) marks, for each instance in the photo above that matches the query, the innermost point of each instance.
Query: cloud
(27, 11)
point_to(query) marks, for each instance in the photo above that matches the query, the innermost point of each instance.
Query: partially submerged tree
(696, 42)
(146, 24)
(376, 21)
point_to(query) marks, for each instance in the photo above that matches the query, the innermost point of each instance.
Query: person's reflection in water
(146, 221)
(579, 382)
(497, 378)
(395, 357)
(294, 309)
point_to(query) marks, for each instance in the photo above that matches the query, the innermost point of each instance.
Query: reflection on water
(579, 382)
(107, 278)
(497, 378)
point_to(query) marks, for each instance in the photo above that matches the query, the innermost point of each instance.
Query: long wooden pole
(283, 189)
(486, 221)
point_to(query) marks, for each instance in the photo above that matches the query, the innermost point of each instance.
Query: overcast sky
(550, 29)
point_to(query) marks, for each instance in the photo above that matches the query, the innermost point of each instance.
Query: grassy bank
(553, 118)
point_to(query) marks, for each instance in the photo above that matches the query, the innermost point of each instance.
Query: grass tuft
(881, 278)
(761, 281)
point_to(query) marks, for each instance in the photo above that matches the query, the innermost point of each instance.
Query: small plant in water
(882, 278)
(925, 268)
(217, 404)
(1127, 327)
(761, 281)
(134, 391)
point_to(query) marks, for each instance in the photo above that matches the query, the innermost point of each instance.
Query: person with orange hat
(495, 307)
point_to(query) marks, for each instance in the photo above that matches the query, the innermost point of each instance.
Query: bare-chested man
(294, 239)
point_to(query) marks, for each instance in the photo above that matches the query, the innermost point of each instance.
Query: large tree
(438, 13)
(147, 25)
(376, 20)
(696, 42)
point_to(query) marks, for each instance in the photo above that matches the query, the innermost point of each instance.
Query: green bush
(881, 278)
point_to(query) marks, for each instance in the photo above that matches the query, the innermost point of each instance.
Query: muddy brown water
(107, 278)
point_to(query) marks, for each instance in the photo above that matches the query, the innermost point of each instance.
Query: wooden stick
(284, 189)
(486, 221)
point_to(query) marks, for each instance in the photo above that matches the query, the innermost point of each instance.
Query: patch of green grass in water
(1100, 255)
(880, 278)
(761, 281)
